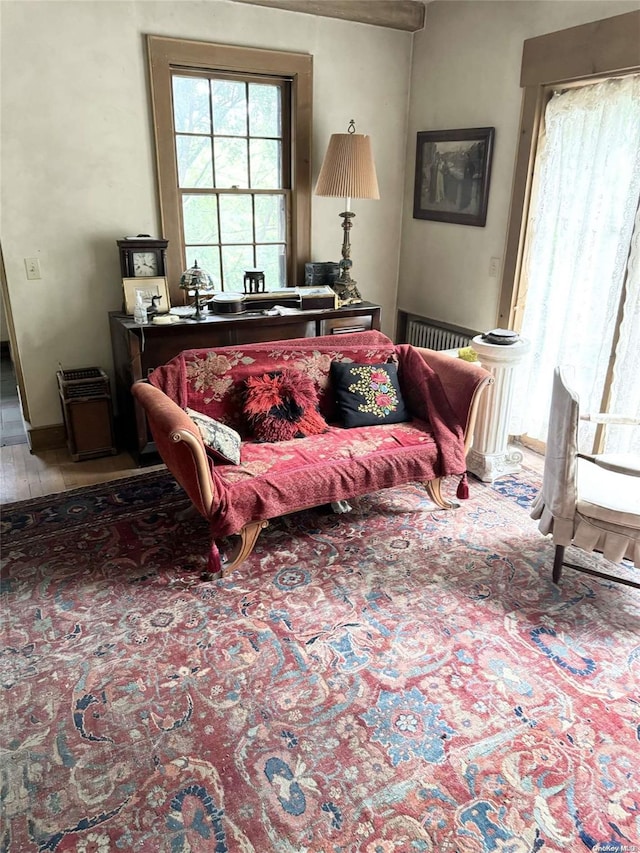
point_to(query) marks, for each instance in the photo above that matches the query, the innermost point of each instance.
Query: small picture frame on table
(150, 287)
(453, 169)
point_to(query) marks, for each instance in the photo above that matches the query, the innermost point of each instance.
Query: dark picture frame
(453, 169)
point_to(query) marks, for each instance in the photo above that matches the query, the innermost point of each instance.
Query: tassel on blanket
(463, 488)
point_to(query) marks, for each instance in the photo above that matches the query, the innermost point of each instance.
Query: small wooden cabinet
(85, 398)
(137, 350)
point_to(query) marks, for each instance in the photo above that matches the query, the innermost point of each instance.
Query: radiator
(430, 336)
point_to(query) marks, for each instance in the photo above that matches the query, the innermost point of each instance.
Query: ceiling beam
(408, 15)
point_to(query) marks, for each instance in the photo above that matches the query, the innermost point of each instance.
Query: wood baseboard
(534, 444)
(47, 438)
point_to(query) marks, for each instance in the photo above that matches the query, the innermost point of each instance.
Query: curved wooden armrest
(621, 463)
(180, 446)
(201, 461)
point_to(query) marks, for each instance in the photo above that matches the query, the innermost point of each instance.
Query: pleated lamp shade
(348, 170)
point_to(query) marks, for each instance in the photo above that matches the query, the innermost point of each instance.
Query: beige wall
(466, 72)
(78, 157)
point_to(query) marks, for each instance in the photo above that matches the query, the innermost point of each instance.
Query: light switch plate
(32, 266)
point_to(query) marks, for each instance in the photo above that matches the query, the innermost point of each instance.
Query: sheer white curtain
(625, 388)
(580, 229)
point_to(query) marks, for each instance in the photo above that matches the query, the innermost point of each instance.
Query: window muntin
(230, 155)
(193, 60)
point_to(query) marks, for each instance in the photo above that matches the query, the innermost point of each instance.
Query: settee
(271, 479)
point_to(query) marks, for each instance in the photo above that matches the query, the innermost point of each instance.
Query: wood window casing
(168, 55)
(568, 57)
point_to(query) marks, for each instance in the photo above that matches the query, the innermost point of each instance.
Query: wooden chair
(590, 502)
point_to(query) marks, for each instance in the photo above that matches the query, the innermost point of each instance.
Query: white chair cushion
(608, 496)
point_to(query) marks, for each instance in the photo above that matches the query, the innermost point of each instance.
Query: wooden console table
(137, 350)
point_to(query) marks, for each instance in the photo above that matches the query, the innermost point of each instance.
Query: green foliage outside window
(229, 154)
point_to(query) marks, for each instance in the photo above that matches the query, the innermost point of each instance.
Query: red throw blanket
(197, 378)
(421, 388)
(426, 399)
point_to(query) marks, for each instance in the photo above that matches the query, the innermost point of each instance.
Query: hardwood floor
(24, 475)
(12, 429)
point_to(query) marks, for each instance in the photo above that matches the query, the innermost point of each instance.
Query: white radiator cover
(430, 336)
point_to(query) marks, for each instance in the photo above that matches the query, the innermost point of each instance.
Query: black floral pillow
(368, 394)
(222, 442)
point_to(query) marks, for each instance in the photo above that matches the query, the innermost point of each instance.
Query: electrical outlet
(494, 267)
(33, 268)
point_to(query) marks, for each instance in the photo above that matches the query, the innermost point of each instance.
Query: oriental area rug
(397, 679)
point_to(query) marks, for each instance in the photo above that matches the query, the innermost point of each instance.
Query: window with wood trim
(575, 297)
(232, 128)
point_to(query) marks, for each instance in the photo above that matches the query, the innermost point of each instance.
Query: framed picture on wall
(453, 168)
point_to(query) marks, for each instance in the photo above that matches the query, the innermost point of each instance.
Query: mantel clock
(142, 257)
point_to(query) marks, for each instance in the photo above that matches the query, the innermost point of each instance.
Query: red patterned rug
(393, 680)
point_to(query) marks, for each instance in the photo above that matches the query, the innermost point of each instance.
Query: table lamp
(196, 279)
(348, 171)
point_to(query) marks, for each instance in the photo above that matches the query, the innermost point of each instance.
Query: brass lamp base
(347, 292)
(345, 288)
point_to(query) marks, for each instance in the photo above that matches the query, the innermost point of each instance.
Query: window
(579, 293)
(558, 62)
(233, 175)
(233, 132)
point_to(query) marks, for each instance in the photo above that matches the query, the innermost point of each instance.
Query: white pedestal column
(491, 456)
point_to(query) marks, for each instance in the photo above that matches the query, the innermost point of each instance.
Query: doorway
(579, 292)
(12, 429)
(12, 410)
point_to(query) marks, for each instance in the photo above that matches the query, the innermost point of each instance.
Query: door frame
(13, 341)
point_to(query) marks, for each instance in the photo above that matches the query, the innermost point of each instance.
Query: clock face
(145, 263)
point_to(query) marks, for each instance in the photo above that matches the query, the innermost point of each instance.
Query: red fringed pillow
(282, 404)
